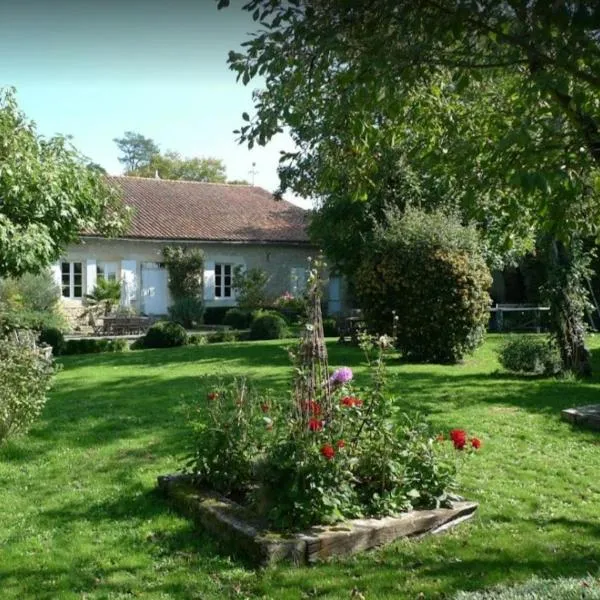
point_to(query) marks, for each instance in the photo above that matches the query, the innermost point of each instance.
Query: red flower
(312, 407)
(351, 401)
(340, 443)
(459, 438)
(264, 407)
(476, 443)
(213, 395)
(327, 451)
(315, 424)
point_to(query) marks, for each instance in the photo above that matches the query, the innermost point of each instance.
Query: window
(223, 280)
(72, 279)
(106, 271)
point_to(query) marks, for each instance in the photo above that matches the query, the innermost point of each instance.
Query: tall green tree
(494, 104)
(171, 165)
(48, 195)
(136, 150)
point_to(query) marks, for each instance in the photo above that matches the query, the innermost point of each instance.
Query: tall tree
(48, 195)
(494, 101)
(171, 165)
(136, 150)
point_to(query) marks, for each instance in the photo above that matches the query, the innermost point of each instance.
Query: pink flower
(341, 375)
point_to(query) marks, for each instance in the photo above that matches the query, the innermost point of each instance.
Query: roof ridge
(218, 183)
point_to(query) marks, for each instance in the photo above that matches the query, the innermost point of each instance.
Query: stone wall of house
(284, 263)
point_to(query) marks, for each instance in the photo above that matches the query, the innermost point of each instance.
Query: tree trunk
(567, 294)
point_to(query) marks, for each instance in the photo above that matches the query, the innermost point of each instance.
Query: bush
(30, 319)
(37, 293)
(25, 376)
(187, 312)
(251, 287)
(215, 315)
(238, 318)
(530, 354)
(222, 336)
(53, 337)
(165, 334)
(94, 346)
(429, 270)
(268, 326)
(330, 328)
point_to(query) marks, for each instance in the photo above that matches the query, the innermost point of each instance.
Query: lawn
(80, 519)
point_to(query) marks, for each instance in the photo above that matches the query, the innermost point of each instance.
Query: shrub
(227, 442)
(428, 269)
(94, 346)
(30, 319)
(238, 318)
(268, 326)
(330, 328)
(197, 340)
(215, 315)
(165, 334)
(38, 293)
(25, 376)
(251, 287)
(187, 312)
(530, 354)
(222, 336)
(104, 297)
(53, 337)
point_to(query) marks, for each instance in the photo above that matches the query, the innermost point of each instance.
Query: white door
(334, 304)
(154, 289)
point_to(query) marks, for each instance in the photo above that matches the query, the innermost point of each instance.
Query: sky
(95, 69)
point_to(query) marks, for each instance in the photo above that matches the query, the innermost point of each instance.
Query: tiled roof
(186, 210)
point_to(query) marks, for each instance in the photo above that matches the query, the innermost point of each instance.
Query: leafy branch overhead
(48, 195)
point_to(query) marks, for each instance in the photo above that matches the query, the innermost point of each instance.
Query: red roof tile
(187, 210)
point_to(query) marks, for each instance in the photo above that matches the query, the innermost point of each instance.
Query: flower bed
(332, 452)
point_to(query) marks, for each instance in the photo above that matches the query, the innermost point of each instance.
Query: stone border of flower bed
(589, 415)
(229, 522)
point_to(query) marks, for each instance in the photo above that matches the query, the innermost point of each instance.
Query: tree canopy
(48, 195)
(136, 150)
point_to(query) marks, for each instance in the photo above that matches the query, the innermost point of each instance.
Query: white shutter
(128, 282)
(57, 274)
(209, 280)
(90, 275)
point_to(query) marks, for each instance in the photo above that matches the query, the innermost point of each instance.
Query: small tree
(186, 284)
(429, 271)
(105, 295)
(251, 287)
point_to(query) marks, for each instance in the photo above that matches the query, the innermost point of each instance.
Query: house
(233, 224)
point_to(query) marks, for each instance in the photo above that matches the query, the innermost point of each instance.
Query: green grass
(79, 517)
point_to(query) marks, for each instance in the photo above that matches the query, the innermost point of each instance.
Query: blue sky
(95, 69)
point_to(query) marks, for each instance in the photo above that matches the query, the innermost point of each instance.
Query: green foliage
(48, 194)
(25, 376)
(165, 334)
(215, 315)
(530, 354)
(104, 297)
(29, 319)
(238, 318)
(228, 438)
(136, 150)
(586, 588)
(330, 327)
(187, 312)
(427, 269)
(268, 326)
(171, 165)
(186, 284)
(251, 287)
(94, 346)
(53, 337)
(32, 292)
